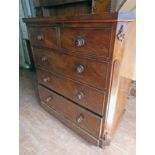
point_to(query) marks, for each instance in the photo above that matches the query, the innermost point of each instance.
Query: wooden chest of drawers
(78, 62)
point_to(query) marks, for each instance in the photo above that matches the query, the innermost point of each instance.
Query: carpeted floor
(42, 134)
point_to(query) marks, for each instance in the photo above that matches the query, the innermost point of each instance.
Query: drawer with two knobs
(82, 94)
(79, 116)
(89, 41)
(86, 71)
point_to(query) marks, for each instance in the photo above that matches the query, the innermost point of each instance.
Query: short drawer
(84, 95)
(86, 71)
(43, 36)
(87, 41)
(81, 117)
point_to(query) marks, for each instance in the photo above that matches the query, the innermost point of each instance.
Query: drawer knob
(46, 79)
(48, 99)
(80, 118)
(44, 58)
(40, 37)
(79, 42)
(80, 95)
(80, 69)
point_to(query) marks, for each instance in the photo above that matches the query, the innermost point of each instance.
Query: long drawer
(86, 71)
(84, 95)
(81, 117)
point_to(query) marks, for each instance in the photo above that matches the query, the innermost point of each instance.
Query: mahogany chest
(78, 61)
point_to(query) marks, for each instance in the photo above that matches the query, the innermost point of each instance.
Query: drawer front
(83, 70)
(82, 118)
(87, 41)
(43, 36)
(80, 93)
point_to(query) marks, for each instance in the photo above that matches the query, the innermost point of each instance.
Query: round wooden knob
(46, 79)
(80, 95)
(44, 58)
(80, 118)
(80, 69)
(79, 42)
(40, 37)
(48, 99)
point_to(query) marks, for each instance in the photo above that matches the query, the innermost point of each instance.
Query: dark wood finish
(71, 36)
(96, 18)
(100, 6)
(79, 65)
(72, 7)
(94, 73)
(44, 37)
(59, 2)
(92, 99)
(82, 118)
(69, 9)
(71, 125)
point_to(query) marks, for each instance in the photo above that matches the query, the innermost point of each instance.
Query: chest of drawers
(78, 62)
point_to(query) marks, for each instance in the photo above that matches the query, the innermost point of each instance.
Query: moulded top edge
(105, 17)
